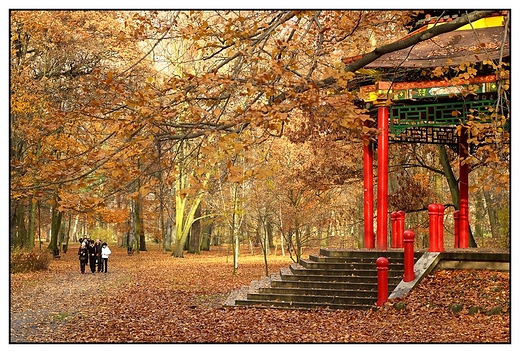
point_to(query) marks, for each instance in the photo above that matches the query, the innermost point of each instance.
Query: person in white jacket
(105, 253)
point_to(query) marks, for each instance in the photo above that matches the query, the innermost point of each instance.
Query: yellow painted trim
(487, 22)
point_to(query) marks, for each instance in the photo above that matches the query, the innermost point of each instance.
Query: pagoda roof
(483, 40)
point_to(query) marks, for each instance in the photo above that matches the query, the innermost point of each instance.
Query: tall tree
(93, 91)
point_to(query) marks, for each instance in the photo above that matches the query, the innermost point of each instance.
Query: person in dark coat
(92, 255)
(83, 257)
(99, 260)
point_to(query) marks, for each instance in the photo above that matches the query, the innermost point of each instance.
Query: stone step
(338, 279)
(301, 298)
(364, 255)
(393, 271)
(324, 285)
(314, 262)
(301, 305)
(371, 293)
(350, 277)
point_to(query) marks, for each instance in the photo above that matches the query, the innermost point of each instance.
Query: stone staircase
(334, 279)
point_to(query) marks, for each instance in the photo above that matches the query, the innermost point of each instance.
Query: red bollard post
(440, 227)
(408, 239)
(400, 228)
(456, 229)
(432, 213)
(393, 220)
(382, 280)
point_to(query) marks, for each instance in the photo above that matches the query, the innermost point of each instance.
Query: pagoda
(410, 106)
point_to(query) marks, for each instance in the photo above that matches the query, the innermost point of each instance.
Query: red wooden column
(382, 179)
(463, 190)
(368, 192)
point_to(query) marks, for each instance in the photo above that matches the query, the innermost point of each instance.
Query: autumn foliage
(142, 123)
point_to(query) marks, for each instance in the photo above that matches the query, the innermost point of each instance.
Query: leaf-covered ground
(153, 297)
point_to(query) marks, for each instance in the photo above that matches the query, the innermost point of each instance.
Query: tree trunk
(206, 236)
(450, 176)
(75, 229)
(265, 247)
(168, 235)
(161, 193)
(67, 237)
(13, 219)
(454, 188)
(185, 206)
(492, 215)
(137, 223)
(178, 251)
(19, 236)
(234, 239)
(130, 236)
(234, 232)
(55, 228)
(298, 242)
(142, 240)
(195, 232)
(139, 214)
(270, 233)
(479, 220)
(32, 222)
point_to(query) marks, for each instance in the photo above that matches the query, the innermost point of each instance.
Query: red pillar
(456, 228)
(463, 225)
(382, 280)
(393, 222)
(463, 190)
(440, 227)
(400, 228)
(368, 193)
(408, 240)
(433, 214)
(382, 179)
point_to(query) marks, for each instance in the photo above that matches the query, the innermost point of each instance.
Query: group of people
(94, 254)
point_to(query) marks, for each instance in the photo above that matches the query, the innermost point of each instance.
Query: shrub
(24, 261)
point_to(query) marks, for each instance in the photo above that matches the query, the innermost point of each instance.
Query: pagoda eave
(397, 91)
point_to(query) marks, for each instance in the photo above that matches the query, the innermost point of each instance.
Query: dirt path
(37, 305)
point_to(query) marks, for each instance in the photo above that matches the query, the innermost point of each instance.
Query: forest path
(37, 306)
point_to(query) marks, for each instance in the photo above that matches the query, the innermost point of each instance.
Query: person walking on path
(99, 260)
(92, 258)
(83, 257)
(105, 253)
